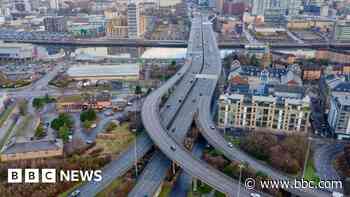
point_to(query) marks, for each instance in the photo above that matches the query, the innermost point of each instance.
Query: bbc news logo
(50, 175)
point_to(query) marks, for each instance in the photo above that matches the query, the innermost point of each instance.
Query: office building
(287, 7)
(219, 5)
(54, 4)
(342, 31)
(259, 7)
(234, 8)
(21, 6)
(294, 7)
(13, 51)
(117, 27)
(339, 115)
(169, 3)
(55, 24)
(133, 20)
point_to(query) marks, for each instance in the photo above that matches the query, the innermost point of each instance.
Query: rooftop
(103, 70)
(32, 146)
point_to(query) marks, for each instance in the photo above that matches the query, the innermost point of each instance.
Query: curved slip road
(175, 151)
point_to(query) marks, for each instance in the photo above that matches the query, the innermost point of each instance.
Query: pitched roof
(32, 146)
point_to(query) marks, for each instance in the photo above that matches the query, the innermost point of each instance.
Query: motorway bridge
(176, 44)
(197, 89)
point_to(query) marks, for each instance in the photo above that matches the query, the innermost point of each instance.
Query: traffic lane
(184, 181)
(152, 176)
(144, 186)
(118, 167)
(323, 159)
(195, 167)
(233, 153)
(180, 92)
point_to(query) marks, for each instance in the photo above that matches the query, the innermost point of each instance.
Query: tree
(63, 133)
(254, 61)
(38, 103)
(40, 132)
(149, 90)
(138, 90)
(111, 126)
(62, 120)
(88, 115)
(87, 124)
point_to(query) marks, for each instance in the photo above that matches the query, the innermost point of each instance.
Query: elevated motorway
(206, 125)
(174, 44)
(169, 145)
(117, 167)
(149, 183)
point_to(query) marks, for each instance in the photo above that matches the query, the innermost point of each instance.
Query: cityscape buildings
(55, 24)
(133, 20)
(175, 97)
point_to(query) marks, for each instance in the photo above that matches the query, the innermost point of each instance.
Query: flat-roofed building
(16, 51)
(104, 72)
(339, 115)
(77, 103)
(282, 111)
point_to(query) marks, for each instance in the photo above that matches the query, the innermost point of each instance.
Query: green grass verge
(111, 187)
(5, 114)
(234, 140)
(166, 189)
(23, 125)
(310, 172)
(7, 135)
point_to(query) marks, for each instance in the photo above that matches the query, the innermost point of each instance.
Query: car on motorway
(212, 127)
(173, 148)
(75, 193)
(230, 145)
(168, 105)
(108, 113)
(255, 195)
(89, 141)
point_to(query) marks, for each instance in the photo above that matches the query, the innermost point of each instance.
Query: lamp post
(240, 177)
(307, 155)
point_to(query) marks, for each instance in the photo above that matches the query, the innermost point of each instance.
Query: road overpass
(174, 44)
(147, 186)
(204, 87)
(173, 149)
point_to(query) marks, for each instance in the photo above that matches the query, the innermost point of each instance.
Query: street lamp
(307, 155)
(240, 177)
(136, 168)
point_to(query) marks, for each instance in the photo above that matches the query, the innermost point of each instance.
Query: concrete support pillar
(174, 167)
(195, 184)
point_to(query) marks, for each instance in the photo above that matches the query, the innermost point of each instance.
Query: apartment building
(259, 99)
(339, 115)
(117, 27)
(273, 112)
